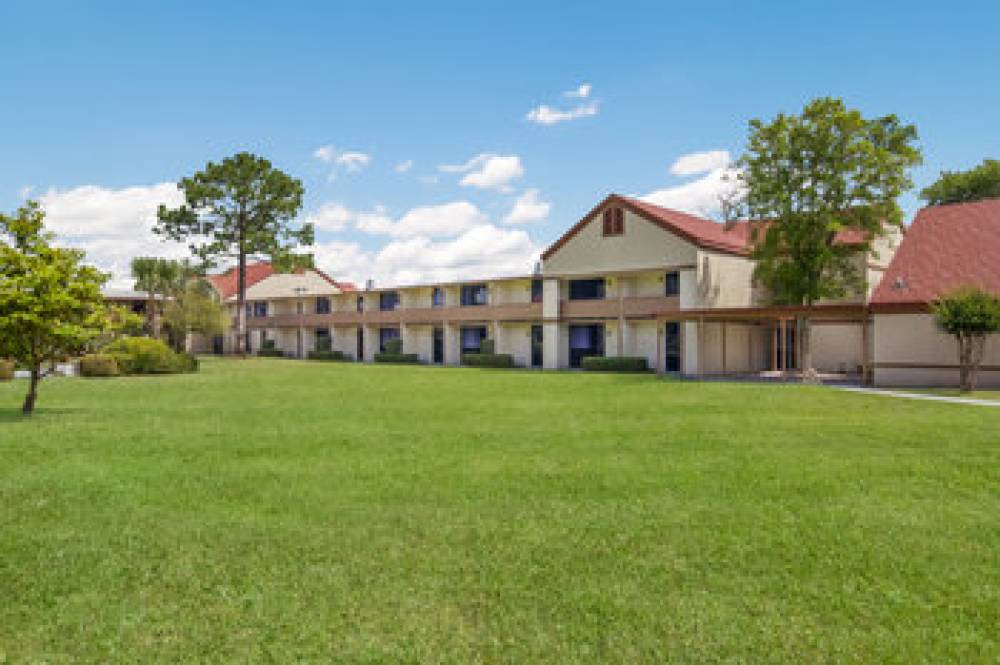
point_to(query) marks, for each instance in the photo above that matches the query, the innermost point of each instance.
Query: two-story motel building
(629, 279)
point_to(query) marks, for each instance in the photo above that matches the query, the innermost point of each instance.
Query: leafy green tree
(981, 182)
(50, 305)
(193, 309)
(240, 207)
(970, 315)
(808, 177)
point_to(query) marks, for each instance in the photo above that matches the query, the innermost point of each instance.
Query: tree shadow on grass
(15, 416)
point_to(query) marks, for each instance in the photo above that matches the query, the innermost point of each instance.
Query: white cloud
(404, 166)
(351, 161)
(700, 162)
(331, 217)
(488, 171)
(354, 161)
(580, 92)
(548, 115)
(112, 225)
(429, 179)
(703, 195)
(25, 192)
(479, 252)
(445, 220)
(528, 208)
(324, 153)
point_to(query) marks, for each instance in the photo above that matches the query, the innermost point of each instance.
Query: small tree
(192, 309)
(981, 182)
(806, 178)
(238, 208)
(50, 305)
(970, 315)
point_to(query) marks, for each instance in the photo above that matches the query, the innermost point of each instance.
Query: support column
(701, 348)
(550, 345)
(723, 347)
(452, 344)
(659, 347)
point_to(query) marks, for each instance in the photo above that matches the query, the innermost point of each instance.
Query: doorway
(537, 347)
(438, 346)
(361, 344)
(585, 341)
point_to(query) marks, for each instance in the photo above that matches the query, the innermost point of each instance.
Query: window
(472, 338)
(586, 289)
(536, 290)
(260, 309)
(672, 283)
(386, 335)
(614, 222)
(323, 339)
(474, 295)
(437, 297)
(322, 305)
(673, 347)
(361, 303)
(585, 341)
(388, 301)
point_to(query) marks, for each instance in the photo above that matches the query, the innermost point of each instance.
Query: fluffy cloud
(112, 225)
(488, 171)
(445, 220)
(703, 195)
(700, 162)
(582, 91)
(547, 115)
(404, 166)
(528, 208)
(351, 161)
(331, 217)
(25, 191)
(482, 251)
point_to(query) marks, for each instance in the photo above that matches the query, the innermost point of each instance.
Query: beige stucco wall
(644, 245)
(837, 347)
(913, 339)
(515, 339)
(345, 340)
(724, 280)
(418, 339)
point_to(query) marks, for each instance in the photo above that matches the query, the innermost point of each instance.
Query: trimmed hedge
(402, 358)
(394, 347)
(487, 347)
(502, 360)
(623, 364)
(98, 364)
(143, 355)
(269, 350)
(7, 369)
(328, 355)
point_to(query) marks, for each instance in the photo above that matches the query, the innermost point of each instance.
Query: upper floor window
(536, 290)
(586, 289)
(437, 297)
(361, 303)
(614, 222)
(260, 309)
(322, 305)
(474, 294)
(388, 301)
(672, 283)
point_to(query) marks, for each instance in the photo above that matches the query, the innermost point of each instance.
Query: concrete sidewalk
(923, 396)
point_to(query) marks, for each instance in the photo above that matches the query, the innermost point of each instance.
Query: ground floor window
(672, 340)
(438, 346)
(472, 338)
(386, 335)
(537, 346)
(585, 341)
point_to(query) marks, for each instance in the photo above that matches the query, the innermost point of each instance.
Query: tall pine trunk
(241, 309)
(29, 400)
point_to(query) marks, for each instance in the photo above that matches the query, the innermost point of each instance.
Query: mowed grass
(280, 511)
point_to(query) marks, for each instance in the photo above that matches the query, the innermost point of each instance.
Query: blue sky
(105, 104)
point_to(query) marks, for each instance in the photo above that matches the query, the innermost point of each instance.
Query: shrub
(324, 344)
(98, 364)
(328, 355)
(186, 362)
(268, 349)
(502, 360)
(487, 347)
(394, 347)
(622, 364)
(6, 369)
(402, 358)
(142, 355)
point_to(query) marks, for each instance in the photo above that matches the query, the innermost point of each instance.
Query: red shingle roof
(227, 283)
(947, 247)
(729, 238)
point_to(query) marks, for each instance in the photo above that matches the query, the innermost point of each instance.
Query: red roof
(947, 247)
(227, 283)
(732, 238)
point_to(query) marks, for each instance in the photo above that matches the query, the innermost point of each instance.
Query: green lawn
(276, 511)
